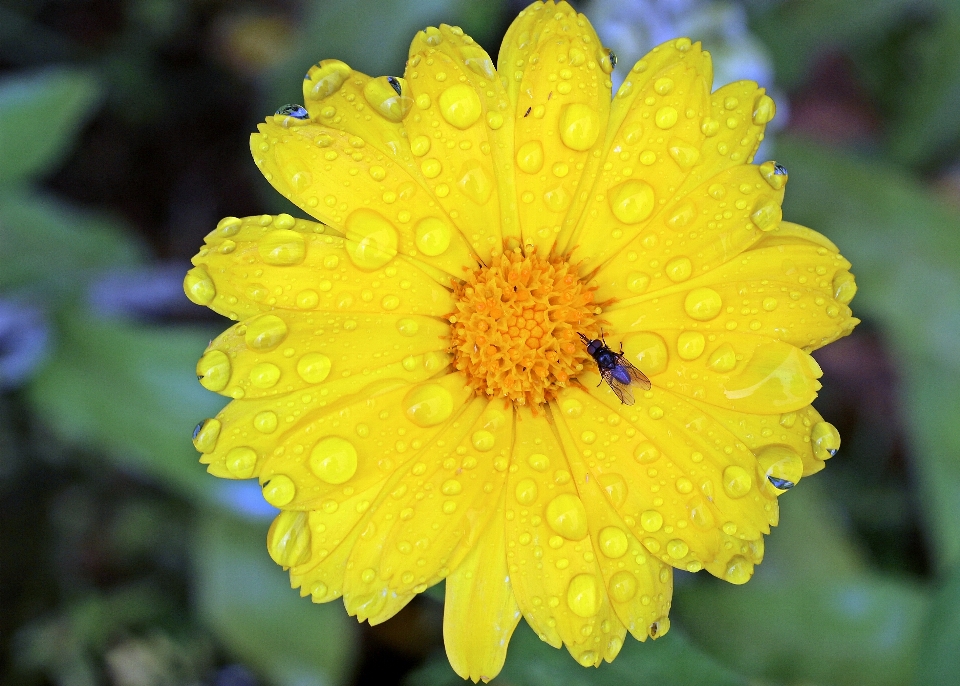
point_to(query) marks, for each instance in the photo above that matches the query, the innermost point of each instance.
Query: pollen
(515, 326)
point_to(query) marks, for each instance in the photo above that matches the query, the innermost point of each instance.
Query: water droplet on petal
(206, 434)
(428, 405)
(279, 490)
(333, 460)
(613, 542)
(199, 287)
(371, 239)
(282, 248)
(539, 462)
(646, 453)
(622, 586)
(583, 596)
(288, 540)
(313, 367)
(265, 422)
(265, 332)
(736, 481)
(651, 520)
(679, 269)
(295, 111)
(677, 549)
(825, 439)
(328, 78)
(460, 106)
(764, 110)
(567, 516)
(482, 440)
(530, 157)
(264, 375)
(408, 327)
(702, 304)
(579, 126)
(632, 201)
(739, 570)
(213, 370)
(844, 287)
(526, 491)
(572, 407)
(666, 117)
(241, 462)
(690, 345)
(385, 99)
(723, 359)
(767, 214)
(781, 465)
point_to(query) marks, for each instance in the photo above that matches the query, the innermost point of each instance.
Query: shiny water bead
(764, 110)
(651, 521)
(482, 440)
(647, 351)
(767, 214)
(460, 106)
(428, 405)
(205, 435)
(325, 79)
(282, 248)
(566, 515)
(264, 375)
(579, 126)
(526, 491)
(199, 287)
(646, 452)
(371, 239)
(702, 304)
(288, 540)
(241, 462)
(265, 332)
(433, 236)
(781, 466)
(313, 367)
(538, 462)
(279, 490)
(530, 157)
(774, 174)
(388, 101)
(739, 570)
(295, 111)
(584, 595)
(723, 359)
(265, 422)
(632, 201)
(844, 286)
(825, 440)
(333, 460)
(613, 542)
(622, 586)
(736, 481)
(690, 345)
(213, 370)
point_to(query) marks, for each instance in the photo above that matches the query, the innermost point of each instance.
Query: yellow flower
(409, 382)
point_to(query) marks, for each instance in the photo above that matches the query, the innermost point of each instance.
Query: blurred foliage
(123, 131)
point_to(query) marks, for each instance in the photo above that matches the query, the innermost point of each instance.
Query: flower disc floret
(515, 328)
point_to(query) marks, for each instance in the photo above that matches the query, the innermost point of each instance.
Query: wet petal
(553, 64)
(480, 611)
(433, 511)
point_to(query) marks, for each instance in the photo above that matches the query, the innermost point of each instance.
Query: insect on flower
(615, 369)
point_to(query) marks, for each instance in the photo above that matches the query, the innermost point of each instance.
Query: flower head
(409, 380)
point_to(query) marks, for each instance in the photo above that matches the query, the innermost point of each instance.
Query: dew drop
(579, 126)
(333, 460)
(265, 332)
(583, 596)
(433, 236)
(282, 248)
(530, 157)
(199, 287)
(265, 422)
(328, 78)
(702, 304)
(526, 491)
(666, 117)
(264, 375)
(566, 515)
(482, 440)
(539, 462)
(371, 239)
(622, 586)
(723, 359)
(213, 370)
(825, 439)
(241, 462)
(739, 570)
(279, 490)
(206, 434)
(288, 540)
(428, 405)
(690, 345)
(651, 520)
(781, 465)
(736, 481)
(313, 367)
(679, 269)
(613, 542)
(632, 201)
(460, 106)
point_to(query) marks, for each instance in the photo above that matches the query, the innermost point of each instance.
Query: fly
(615, 369)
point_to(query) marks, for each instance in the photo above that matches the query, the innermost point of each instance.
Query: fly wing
(636, 376)
(621, 390)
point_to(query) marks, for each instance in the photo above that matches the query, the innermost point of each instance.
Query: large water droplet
(526, 491)
(736, 481)
(313, 367)
(723, 359)
(265, 332)
(206, 434)
(567, 516)
(690, 345)
(679, 269)
(433, 236)
(428, 405)
(767, 214)
(666, 117)
(265, 422)
(622, 586)
(539, 462)
(764, 110)
(199, 287)
(408, 327)
(460, 106)
(474, 182)
(613, 542)
(781, 465)
(333, 460)
(530, 157)
(282, 248)
(279, 490)
(615, 487)
(632, 201)
(288, 540)
(583, 595)
(825, 439)
(213, 370)
(241, 462)
(646, 452)
(264, 375)
(579, 126)
(328, 78)
(844, 286)
(383, 97)
(647, 351)
(483, 440)
(677, 549)
(651, 520)
(371, 239)
(702, 304)
(739, 570)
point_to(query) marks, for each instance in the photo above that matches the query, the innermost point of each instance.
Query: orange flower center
(515, 328)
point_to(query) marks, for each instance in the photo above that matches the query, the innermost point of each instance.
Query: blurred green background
(123, 140)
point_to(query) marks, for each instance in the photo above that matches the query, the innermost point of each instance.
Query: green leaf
(669, 661)
(939, 662)
(41, 113)
(52, 245)
(905, 249)
(929, 122)
(129, 391)
(247, 600)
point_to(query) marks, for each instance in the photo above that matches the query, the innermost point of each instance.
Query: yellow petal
(553, 64)
(479, 610)
(433, 510)
(458, 135)
(649, 156)
(696, 234)
(784, 292)
(362, 193)
(258, 264)
(552, 562)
